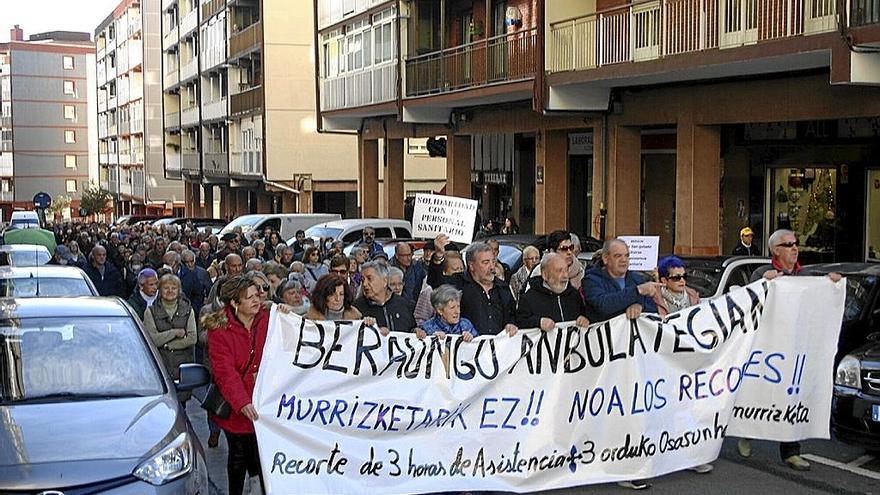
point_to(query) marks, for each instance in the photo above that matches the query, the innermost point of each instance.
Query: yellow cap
(746, 231)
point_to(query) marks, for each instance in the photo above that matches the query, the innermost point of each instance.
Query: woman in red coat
(236, 335)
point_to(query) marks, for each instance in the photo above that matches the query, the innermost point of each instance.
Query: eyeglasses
(262, 288)
(569, 247)
(789, 244)
(676, 278)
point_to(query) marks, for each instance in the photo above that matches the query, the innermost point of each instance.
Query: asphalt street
(837, 468)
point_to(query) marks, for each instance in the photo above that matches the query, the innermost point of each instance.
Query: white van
(24, 220)
(349, 230)
(285, 224)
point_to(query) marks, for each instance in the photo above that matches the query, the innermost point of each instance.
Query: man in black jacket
(392, 312)
(485, 300)
(105, 276)
(551, 298)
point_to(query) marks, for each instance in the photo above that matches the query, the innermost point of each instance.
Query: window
(69, 88)
(70, 161)
(69, 112)
(383, 36)
(70, 185)
(69, 137)
(67, 61)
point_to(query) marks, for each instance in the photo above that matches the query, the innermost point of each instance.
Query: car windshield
(858, 290)
(44, 287)
(704, 279)
(58, 359)
(323, 232)
(24, 224)
(29, 258)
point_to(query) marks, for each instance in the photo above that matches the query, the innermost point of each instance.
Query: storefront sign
(496, 177)
(643, 251)
(580, 143)
(434, 214)
(342, 408)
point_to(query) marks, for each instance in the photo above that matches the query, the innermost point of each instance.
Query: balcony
(189, 116)
(172, 120)
(189, 163)
(171, 79)
(171, 38)
(864, 12)
(135, 53)
(189, 70)
(102, 104)
(125, 188)
(168, 3)
(113, 181)
(6, 122)
(249, 101)
(102, 159)
(113, 130)
(137, 155)
(6, 165)
(246, 40)
(215, 110)
(247, 163)
(6, 145)
(137, 125)
(124, 157)
(7, 195)
(172, 164)
(500, 59)
(378, 84)
(138, 184)
(660, 28)
(189, 22)
(111, 102)
(212, 7)
(216, 164)
(113, 158)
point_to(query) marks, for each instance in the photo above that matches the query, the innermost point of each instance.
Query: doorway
(580, 183)
(658, 198)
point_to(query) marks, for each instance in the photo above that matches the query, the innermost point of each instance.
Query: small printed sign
(434, 214)
(643, 251)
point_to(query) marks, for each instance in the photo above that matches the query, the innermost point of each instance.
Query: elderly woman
(171, 324)
(392, 312)
(674, 295)
(395, 281)
(314, 269)
(332, 300)
(446, 300)
(290, 292)
(531, 256)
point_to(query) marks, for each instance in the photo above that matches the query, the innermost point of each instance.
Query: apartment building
(129, 103)
(47, 138)
(687, 119)
(239, 112)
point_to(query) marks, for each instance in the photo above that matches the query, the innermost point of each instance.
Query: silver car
(86, 406)
(45, 281)
(26, 254)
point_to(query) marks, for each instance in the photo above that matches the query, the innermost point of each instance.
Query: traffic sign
(42, 200)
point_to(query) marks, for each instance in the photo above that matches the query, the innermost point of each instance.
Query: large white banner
(344, 410)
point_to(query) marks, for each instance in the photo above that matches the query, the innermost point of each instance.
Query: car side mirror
(192, 376)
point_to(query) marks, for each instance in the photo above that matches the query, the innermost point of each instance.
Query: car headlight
(170, 463)
(848, 373)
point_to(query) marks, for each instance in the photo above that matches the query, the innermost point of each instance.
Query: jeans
(243, 460)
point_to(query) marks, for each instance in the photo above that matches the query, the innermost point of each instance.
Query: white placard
(344, 410)
(435, 214)
(643, 251)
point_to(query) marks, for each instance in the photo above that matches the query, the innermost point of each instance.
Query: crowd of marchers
(206, 298)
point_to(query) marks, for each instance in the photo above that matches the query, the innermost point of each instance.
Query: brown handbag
(214, 402)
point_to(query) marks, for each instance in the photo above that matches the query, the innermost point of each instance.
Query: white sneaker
(702, 468)
(634, 484)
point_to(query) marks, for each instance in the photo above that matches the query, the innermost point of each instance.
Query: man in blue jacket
(613, 289)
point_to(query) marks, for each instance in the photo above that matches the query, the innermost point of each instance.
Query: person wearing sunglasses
(784, 250)
(674, 295)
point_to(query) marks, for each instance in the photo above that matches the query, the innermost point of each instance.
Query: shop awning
(283, 187)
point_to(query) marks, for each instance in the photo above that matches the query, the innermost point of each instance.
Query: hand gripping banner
(344, 410)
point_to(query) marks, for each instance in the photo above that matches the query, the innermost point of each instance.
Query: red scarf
(778, 266)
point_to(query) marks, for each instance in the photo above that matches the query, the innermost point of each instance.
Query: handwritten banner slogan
(436, 214)
(343, 409)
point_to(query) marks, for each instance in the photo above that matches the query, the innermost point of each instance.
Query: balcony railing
(138, 184)
(189, 116)
(246, 40)
(189, 22)
(216, 164)
(172, 162)
(124, 157)
(189, 162)
(6, 145)
(137, 155)
(246, 101)
(171, 39)
(137, 125)
(189, 70)
(171, 78)
(504, 58)
(246, 163)
(7, 195)
(655, 29)
(6, 122)
(211, 8)
(172, 119)
(376, 84)
(214, 110)
(864, 12)
(6, 165)
(125, 188)
(102, 103)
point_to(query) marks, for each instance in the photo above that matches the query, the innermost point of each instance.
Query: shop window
(872, 231)
(804, 200)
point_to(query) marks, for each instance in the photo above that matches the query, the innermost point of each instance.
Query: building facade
(129, 103)
(239, 113)
(687, 119)
(47, 138)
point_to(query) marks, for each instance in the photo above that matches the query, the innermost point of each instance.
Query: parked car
(87, 404)
(200, 224)
(713, 276)
(24, 220)
(389, 245)
(285, 224)
(26, 254)
(349, 230)
(133, 219)
(510, 248)
(855, 406)
(45, 281)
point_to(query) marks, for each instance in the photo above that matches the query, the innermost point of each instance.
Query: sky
(37, 16)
